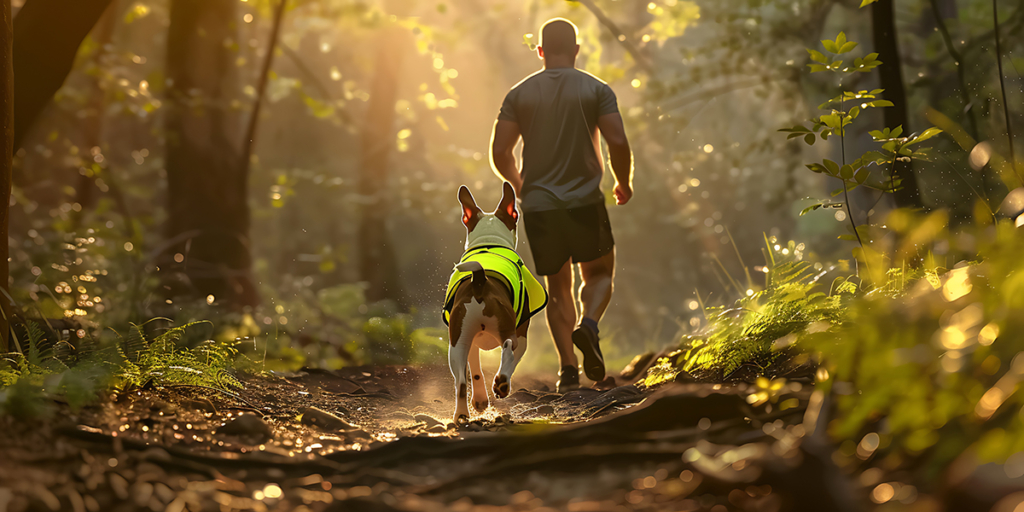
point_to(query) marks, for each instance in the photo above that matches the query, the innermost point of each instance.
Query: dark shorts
(582, 234)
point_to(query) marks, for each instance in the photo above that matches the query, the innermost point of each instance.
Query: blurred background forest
(289, 169)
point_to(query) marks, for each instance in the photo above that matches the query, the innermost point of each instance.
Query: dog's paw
(501, 386)
(480, 406)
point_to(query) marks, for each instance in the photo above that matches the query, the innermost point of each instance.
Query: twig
(846, 192)
(708, 94)
(1002, 88)
(261, 88)
(958, 60)
(627, 43)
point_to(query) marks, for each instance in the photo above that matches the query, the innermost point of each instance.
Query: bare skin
(563, 311)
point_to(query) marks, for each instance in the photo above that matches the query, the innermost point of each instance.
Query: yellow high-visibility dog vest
(528, 296)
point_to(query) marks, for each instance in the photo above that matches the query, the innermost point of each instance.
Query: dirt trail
(377, 438)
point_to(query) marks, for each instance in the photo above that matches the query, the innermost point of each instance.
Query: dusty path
(377, 439)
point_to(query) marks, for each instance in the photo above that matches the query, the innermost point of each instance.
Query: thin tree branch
(261, 88)
(959, 61)
(627, 43)
(708, 94)
(1002, 87)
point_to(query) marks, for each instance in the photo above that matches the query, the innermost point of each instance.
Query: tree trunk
(377, 264)
(207, 193)
(883, 31)
(6, 153)
(49, 33)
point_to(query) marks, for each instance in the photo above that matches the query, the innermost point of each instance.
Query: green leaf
(848, 237)
(927, 134)
(896, 131)
(847, 47)
(817, 56)
(832, 167)
(809, 139)
(861, 176)
(810, 209)
(816, 168)
(830, 46)
(840, 40)
(815, 68)
(846, 172)
(797, 128)
(880, 103)
(867, 2)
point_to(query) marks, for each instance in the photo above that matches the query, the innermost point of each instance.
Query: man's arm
(619, 154)
(503, 140)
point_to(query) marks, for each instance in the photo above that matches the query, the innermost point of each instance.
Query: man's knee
(603, 267)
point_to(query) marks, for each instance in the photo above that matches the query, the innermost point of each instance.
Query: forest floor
(379, 439)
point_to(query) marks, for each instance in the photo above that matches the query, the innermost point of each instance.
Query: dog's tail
(479, 276)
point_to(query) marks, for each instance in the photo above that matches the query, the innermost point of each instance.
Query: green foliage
(841, 111)
(934, 369)
(762, 325)
(79, 375)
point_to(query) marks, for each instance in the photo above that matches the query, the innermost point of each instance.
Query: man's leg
(595, 294)
(596, 290)
(561, 314)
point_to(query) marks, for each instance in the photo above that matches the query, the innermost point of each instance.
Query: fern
(131, 361)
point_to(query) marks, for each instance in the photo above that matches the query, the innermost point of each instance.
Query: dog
(490, 299)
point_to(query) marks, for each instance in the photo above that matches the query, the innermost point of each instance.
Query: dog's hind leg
(458, 353)
(512, 349)
(479, 389)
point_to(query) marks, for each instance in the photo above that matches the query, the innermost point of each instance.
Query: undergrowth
(77, 375)
(762, 326)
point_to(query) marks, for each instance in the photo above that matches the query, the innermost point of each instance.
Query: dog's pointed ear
(470, 211)
(506, 210)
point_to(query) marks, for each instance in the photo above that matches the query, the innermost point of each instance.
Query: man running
(558, 112)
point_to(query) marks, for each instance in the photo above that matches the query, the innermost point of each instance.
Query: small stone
(358, 434)
(142, 492)
(202, 405)
(324, 420)
(428, 421)
(249, 427)
(637, 365)
(119, 485)
(606, 384)
(522, 397)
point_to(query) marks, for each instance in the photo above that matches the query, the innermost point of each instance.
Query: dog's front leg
(457, 358)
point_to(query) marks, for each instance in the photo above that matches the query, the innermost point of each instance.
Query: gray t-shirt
(557, 111)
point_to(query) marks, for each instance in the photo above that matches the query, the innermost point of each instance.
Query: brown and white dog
(482, 314)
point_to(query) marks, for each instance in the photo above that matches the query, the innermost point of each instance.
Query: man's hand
(623, 193)
(619, 154)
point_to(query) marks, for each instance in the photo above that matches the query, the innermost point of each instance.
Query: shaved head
(558, 37)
